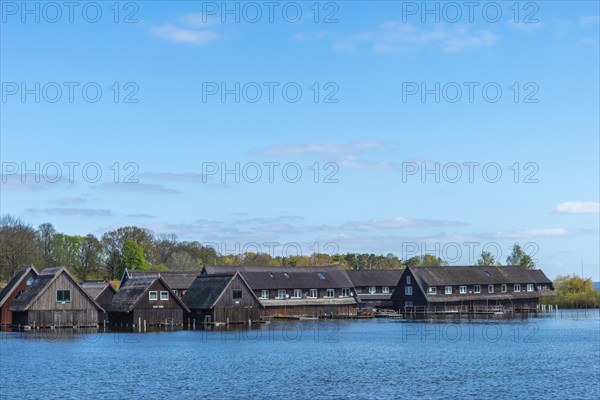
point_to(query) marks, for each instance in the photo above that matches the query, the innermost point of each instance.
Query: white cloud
(288, 149)
(177, 34)
(545, 232)
(70, 212)
(578, 207)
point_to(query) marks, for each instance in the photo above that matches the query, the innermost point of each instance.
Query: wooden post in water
(144, 326)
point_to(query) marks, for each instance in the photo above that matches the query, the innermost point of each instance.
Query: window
(320, 275)
(164, 295)
(385, 289)
(20, 292)
(490, 288)
(298, 293)
(517, 288)
(237, 294)
(462, 289)
(176, 292)
(477, 288)
(408, 290)
(408, 304)
(264, 294)
(408, 279)
(313, 293)
(372, 289)
(448, 290)
(530, 287)
(153, 295)
(503, 288)
(281, 294)
(63, 296)
(432, 290)
(286, 274)
(30, 280)
(330, 293)
(345, 292)
(271, 275)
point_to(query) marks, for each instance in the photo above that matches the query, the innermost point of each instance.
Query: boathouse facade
(470, 289)
(222, 299)
(103, 292)
(55, 299)
(146, 299)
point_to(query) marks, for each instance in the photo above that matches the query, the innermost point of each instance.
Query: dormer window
(30, 280)
(320, 275)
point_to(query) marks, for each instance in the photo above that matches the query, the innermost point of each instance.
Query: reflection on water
(542, 357)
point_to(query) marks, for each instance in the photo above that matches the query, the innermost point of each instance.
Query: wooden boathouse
(55, 299)
(222, 299)
(374, 287)
(103, 292)
(470, 289)
(146, 300)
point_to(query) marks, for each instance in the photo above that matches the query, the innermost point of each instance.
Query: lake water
(550, 357)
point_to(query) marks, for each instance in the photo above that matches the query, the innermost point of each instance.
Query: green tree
(90, 257)
(527, 262)
(132, 257)
(515, 256)
(428, 260)
(487, 259)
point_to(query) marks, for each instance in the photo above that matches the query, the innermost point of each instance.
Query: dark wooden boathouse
(374, 287)
(101, 291)
(222, 299)
(146, 299)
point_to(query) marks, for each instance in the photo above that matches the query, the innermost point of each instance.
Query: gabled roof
(96, 288)
(473, 275)
(268, 277)
(178, 280)
(207, 289)
(39, 286)
(375, 277)
(132, 291)
(14, 282)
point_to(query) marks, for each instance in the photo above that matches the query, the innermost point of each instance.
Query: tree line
(131, 247)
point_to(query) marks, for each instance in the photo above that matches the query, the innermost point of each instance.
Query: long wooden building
(146, 299)
(222, 299)
(15, 288)
(55, 299)
(374, 287)
(470, 289)
(316, 292)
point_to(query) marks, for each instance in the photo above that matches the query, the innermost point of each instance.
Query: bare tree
(17, 245)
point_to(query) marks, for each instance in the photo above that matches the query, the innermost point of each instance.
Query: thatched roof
(268, 277)
(177, 280)
(375, 277)
(132, 291)
(39, 286)
(8, 290)
(207, 289)
(95, 288)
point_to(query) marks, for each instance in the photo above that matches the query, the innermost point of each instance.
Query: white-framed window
(264, 294)
(448, 290)
(408, 303)
(490, 288)
(297, 293)
(372, 289)
(164, 295)
(477, 288)
(330, 293)
(313, 293)
(530, 287)
(385, 289)
(408, 279)
(281, 294)
(462, 289)
(345, 292)
(153, 295)
(517, 287)
(432, 290)
(503, 288)
(408, 290)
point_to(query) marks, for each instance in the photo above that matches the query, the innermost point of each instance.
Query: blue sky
(369, 133)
